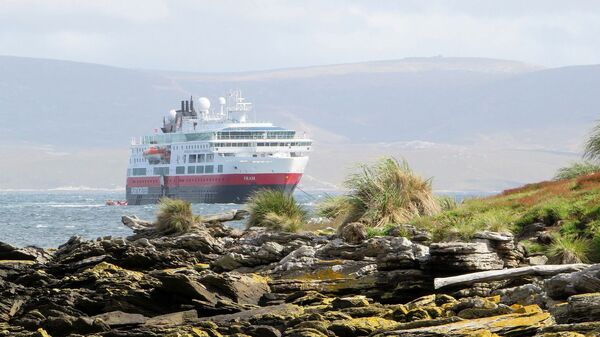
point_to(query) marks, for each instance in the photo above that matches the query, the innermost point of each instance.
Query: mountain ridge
(360, 111)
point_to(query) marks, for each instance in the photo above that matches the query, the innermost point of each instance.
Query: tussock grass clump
(276, 210)
(339, 209)
(575, 170)
(592, 144)
(175, 216)
(383, 193)
(569, 249)
(446, 202)
(495, 220)
(390, 192)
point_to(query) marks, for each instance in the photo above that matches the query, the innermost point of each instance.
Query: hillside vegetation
(560, 218)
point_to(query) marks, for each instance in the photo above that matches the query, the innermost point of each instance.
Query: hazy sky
(225, 35)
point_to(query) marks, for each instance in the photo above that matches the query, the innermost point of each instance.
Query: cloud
(228, 35)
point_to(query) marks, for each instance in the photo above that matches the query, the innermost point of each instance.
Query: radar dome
(222, 100)
(204, 104)
(172, 114)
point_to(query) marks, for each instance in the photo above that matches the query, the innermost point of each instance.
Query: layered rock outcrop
(218, 281)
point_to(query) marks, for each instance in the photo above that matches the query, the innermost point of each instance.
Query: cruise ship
(206, 155)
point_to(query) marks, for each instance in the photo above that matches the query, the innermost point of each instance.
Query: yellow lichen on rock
(533, 308)
(42, 333)
(106, 270)
(198, 332)
(502, 324)
(365, 323)
(494, 299)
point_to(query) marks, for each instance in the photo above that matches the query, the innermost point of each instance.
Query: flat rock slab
(176, 318)
(120, 318)
(286, 310)
(503, 325)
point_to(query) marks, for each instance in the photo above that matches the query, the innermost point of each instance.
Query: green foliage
(175, 216)
(382, 230)
(386, 192)
(276, 210)
(462, 223)
(548, 212)
(446, 203)
(592, 145)
(569, 249)
(532, 247)
(575, 170)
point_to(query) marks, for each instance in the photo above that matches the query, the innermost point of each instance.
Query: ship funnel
(182, 106)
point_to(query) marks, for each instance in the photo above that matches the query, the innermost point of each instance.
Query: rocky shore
(218, 281)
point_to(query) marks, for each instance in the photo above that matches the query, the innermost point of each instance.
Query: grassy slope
(570, 208)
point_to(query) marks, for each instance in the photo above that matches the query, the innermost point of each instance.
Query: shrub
(175, 216)
(575, 170)
(275, 210)
(388, 192)
(569, 249)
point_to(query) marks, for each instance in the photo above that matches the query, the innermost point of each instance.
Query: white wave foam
(66, 189)
(76, 205)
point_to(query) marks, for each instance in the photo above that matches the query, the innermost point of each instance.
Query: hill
(473, 114)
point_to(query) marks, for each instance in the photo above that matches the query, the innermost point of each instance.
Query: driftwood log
(235, 214)
(136, 223)
(495, 275)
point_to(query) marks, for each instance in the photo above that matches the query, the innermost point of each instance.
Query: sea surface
(49, 219)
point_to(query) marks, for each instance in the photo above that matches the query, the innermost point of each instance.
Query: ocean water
(49, 219)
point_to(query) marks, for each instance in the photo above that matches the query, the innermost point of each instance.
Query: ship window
(180, 170)
(139, 171)
(201, 158)
(210, 157)
(191, 169)
(209, 169)
(199, 169)
(260, 144)
(161, 171)
(192, 158)
(220, 168)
